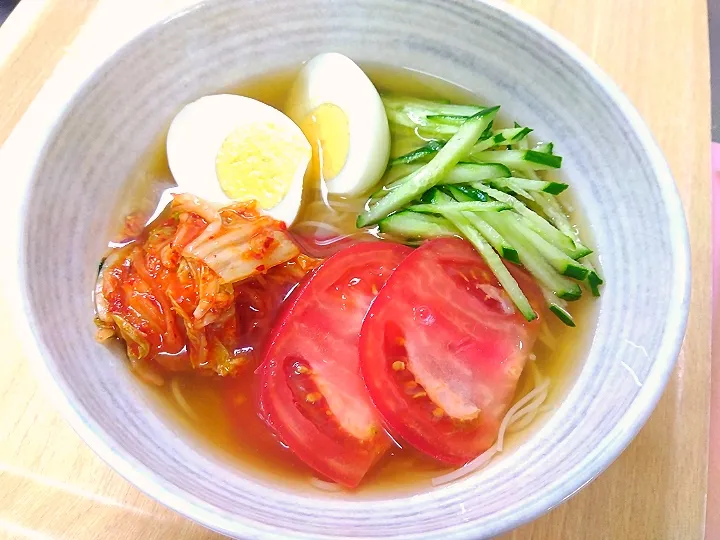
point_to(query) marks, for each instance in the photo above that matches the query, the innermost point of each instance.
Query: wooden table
(52, 486)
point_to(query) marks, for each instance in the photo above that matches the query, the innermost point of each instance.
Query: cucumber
(431, 173)
(422, 108)
(491, 258)
(538, 224)
(555, 213)
(558, 307)
(471, 193)
(531, 258)
(412, 225)
(557, 259)
(447, 119)
(505, 250)
(471, 206)
(562, 314)
(516, 159)
(462, 173)
(524, 184)
(418, 154)
(545, 148)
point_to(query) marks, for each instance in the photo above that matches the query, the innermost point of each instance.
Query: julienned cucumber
(411, 225)
(471, 206)
(505, 250)
(516, 159)
(558, 307)
(491, 258)
(462, 173)
(424, 108)
(433, 172)
(523, 184)
(539, 224)
(532, 259)
(418, 154)
(557, 259)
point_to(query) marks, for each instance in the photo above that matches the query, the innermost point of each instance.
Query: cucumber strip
(558, 307)
(462, 173)
(554, 188)
(511, 136)
(491, 258)
(537, 223)
(447, 119)
(424, 108)
(562, 314)
(419, 153)
(494, 238)
(433, 172)
(472, 193)
(531, 258)
(412, 225)
(557, 259)
(545, 148)
(472, 206)
(555, 213)
(517, 159)
(400, 118)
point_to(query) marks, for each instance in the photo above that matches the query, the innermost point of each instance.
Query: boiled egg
(341, 113)
(225, 148)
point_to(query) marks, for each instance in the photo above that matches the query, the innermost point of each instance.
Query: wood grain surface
(52, 486)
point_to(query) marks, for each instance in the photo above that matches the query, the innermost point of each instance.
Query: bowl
(620, 180)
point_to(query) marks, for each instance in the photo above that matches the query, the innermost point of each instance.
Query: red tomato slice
(312, 394)
(442, 348)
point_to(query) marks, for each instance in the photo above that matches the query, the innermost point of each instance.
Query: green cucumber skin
(562, 314)
(516, 159)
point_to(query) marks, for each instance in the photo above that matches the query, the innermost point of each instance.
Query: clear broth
(253, 448)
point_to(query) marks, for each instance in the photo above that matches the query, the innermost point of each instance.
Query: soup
(218, 402)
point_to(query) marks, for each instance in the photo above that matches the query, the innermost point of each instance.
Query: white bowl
(618, 175)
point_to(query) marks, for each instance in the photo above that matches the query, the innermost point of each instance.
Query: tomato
(312, 394)
(442, 348)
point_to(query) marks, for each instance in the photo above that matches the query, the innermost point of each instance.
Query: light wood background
(52, 486)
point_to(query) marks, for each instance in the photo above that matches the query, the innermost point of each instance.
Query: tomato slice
(442, 348)
(312, 394)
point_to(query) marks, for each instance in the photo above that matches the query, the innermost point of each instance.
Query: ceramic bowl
(618, 174)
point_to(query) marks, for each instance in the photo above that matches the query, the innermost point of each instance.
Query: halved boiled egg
(226, 148)
(341, 113)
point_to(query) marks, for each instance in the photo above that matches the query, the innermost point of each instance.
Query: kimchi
(197, 288)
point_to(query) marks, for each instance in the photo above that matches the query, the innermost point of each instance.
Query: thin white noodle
(177, 394)
(320, 225)
(330, 241)
(325, 486)
(532, 400)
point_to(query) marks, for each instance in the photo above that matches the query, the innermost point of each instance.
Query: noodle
(182, 402)
(320, 225)
(518, 413)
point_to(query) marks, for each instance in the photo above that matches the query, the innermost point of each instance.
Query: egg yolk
(326, 127)
(259, 161)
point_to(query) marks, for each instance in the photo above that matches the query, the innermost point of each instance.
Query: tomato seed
(398, 365)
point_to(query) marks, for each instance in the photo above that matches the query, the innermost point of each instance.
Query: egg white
(334, 78)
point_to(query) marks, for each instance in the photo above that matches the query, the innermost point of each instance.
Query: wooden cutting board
(52, 486)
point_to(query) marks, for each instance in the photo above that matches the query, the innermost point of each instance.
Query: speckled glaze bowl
(618, 174)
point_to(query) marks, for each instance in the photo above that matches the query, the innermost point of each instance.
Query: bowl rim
(561, 489)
